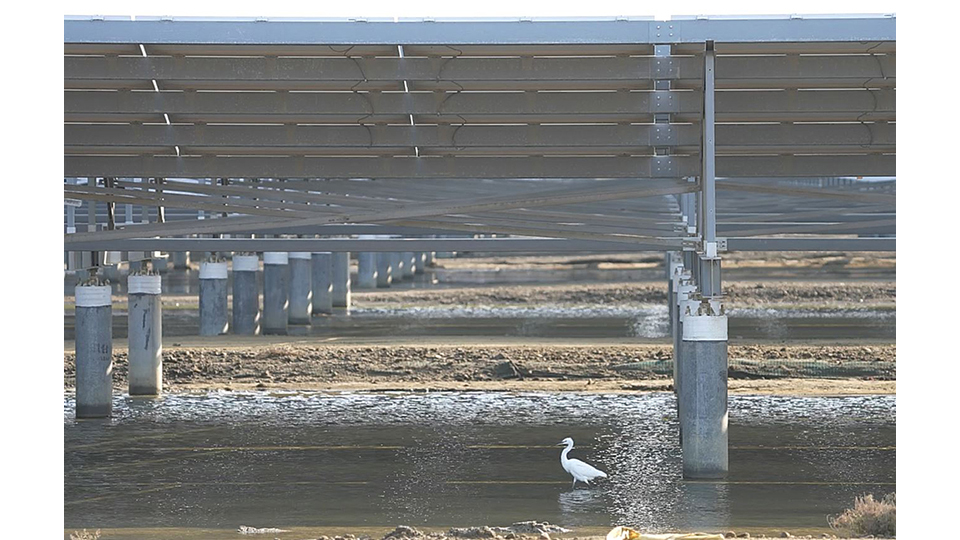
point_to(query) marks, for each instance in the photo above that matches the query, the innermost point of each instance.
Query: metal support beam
(631, 30)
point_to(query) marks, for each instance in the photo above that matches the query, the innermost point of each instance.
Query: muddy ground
(739, 294)
(440, 363)
(409, 366)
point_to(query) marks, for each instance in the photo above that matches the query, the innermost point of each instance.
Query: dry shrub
(869, 517)
(84, 535)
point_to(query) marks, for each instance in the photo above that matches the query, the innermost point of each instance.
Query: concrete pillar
(144, 335)
(429, 257)
(703, 393)
(275, 292)
(301, 288)
(682, 286)
(341, 279)
(687, 302)
(213, 298)
(409, 264)
(246, 295)
(396, 266)
(384, 270)
(323, 283)
(367, 270)
(181, 260)
(420, 261)
(94, 351)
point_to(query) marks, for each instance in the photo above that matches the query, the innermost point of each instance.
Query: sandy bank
(599, 367)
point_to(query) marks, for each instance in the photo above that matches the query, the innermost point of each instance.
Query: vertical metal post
(72, 262)
(708, 267)
(111, 207)
(161, 214)
(702, 373)
(92, 226)
(708, 186)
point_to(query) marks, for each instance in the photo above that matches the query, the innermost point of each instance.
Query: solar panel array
(294, 124)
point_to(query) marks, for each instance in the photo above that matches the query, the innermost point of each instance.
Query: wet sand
(279, 363)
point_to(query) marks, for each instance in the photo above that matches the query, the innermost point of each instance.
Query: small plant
(868, 517)
(84, 535)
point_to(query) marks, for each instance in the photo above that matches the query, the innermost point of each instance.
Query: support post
(384, 270)
(703, 350)
(144, 335)
(396, 266)
(341, 279)
(420, 260)
(94, 351)
(409, 264)
(684, 290)
(703, 393)
(367, 270)
(323, 282)
(301, 288)
(181, 260)
(275, 292)
(246, 295)
(213, 298)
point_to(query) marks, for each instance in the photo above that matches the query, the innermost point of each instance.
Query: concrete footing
(275, 292)
(246, 295)
(323, 283)
(703, 395)
(213, 299)
(367, 270)
(301, 288)
(384, 270)
(94, 351)
(144, 335)
(341, 279)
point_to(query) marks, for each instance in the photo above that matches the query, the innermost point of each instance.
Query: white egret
(581, 471)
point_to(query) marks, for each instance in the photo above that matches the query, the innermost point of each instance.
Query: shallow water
(644, 322)
(322, 461)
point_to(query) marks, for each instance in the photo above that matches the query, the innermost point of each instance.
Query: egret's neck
(563, 455)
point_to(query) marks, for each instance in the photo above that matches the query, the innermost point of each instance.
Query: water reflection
(301, 459)
(578, 506)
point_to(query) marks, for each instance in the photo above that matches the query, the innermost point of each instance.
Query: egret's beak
(561, 444)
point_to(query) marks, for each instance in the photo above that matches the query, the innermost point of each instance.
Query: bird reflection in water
(578, 506)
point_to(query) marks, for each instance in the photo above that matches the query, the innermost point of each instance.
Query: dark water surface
(202, 465)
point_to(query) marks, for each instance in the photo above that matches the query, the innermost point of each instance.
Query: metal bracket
(709, 276)
(664, 166)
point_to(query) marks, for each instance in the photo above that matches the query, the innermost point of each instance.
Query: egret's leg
(574, 484)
